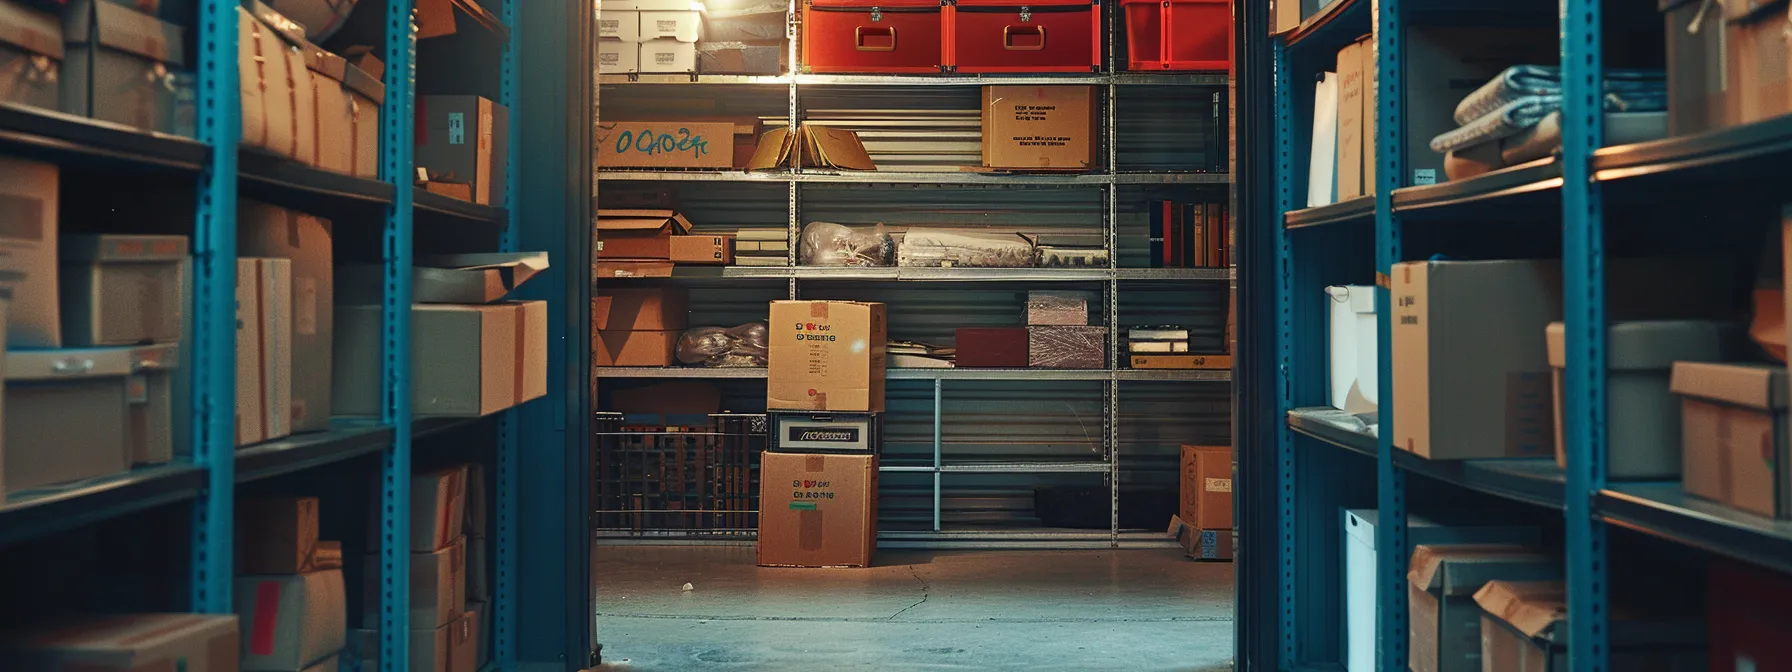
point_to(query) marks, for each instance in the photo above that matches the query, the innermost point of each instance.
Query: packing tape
(261, 80)
(267, 612)
(522, 331)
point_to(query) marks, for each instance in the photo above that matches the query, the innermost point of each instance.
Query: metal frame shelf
(919, 177)
(899, 274)
(1187, 375)
(56, 136)
(1124, 78)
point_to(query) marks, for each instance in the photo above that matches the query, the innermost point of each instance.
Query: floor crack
(924, 591)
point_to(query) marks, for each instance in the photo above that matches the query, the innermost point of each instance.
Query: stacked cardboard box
(289, 589)
(762, 247)
(1206, 508)
(639, 327)
(637, 243)
(304, 243)
(302, 102)
(444, 631)
(649, 35)
(193, 642)
(1059, 335)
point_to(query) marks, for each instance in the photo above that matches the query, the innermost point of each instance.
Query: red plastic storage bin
(1020, 36)
(874, 36)
(1178, 34)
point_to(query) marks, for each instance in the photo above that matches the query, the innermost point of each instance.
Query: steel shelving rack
(1363, 237)
(1107, 179)
(221, 170)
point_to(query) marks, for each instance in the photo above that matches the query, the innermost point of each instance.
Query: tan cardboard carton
(194, 642)
(465, 139)
(276, 535)
(638, 234)
(28, 210)
(291, 620)
(703, 250)
(467, 361)
(1350, 120)
(1733, 435)
(438, 505)
(826, 356)
(278, 98)
(666, 144)
(1441, 584)
(42, 446)
(817, 510)
(1524, 629)
(305, 241)
(438, 580)
(121, 289)
(263, 349)
(1207, 487)
(1039, 127)
(451, 648)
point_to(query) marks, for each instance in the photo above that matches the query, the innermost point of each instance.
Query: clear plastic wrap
(1057, 308)
(828, 244)
(967, 248)
(1067, 347)
(742, 346)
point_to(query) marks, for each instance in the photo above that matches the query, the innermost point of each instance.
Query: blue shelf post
(396, 136)
(1583, 270)
(1387, 148)
(214, 309)
(1286, 529)
(504, 604)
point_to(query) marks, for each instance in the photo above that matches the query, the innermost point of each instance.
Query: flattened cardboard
(28, 223)
(703, 250)
(305, 241)
(290, 621)
(826, 356)
(1207, 487)
(665, 144)
(199, 642)
(638, 234)
(817, 510)
(632, 268)
(810, 147)
(1039, 127)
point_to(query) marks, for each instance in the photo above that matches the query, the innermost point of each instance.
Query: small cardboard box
(119, 65)
(42, 445)
(634, 348)
(638, 234)
(667, 56)
(465, 139)
(1525, 629)
(467, 361)
(290, 621)
(1067, 347)
(705, 250)
(28, 207)
(1441, 584)
(1733, 433)
(1039, 127)
(1207, 486)
(665, 144)
(617, 57)
(276, 535)
(438, 504)
(30, 55)
(817, 510)
(150, 392)
(826, 356)
(1063, 309)
(263, 349)
(121, 289)
(195, 642)
(305, 241)
(997, 347)
(451, 648)
(438, 580)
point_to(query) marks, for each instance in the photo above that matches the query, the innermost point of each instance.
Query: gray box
(67, 419)
(120, 66)
(30, 57)
(122, 289)
(465, 139)
(150, 393)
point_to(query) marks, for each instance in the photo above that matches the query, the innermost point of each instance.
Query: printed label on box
(457, 128)
(1423, 176)
(1219, 485)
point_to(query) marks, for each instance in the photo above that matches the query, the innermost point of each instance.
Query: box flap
(123, 248)
(1533, 608)
(600, 312)
(67, 364)
(158, 357)
(1463, 569)
(364, 83)
(772, 151)
(31, 30)
(119, 27)
(641, 220)
(1761, 386)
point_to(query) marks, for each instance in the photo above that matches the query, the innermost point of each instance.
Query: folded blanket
(1520, 81)
(1524, 112)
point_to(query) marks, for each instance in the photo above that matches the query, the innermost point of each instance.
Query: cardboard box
(617, 57)
(992, 347)
(620, 21)
(1067, 347)
(1695, 68)
(1758, 79)
(263, 349)
(1186, 362)
(1733, 433)
(1446, 622)
(291, 621)
(478, 571)
(450, 648)
(42, 445)
(305, 241)
(1068, 309)
(632, 268)
(1371, 75)
(1199, 544)
(1444, 64)
(817, 510)
(1525, 629)
(1039, 127)
(438, 587)
(149, 420)
(30, 192)
(281, 52)
(446, 278)
(634, 348)
(465, 139)
(467, 361)
(438, 504)
(667, 56)
(118, 65)
(826, 356)
(665, 144)
(1207, 486)
(333, 111)
(1643, 423)
(638, 234)
(193, 642)
(706, 250)
(276, 535)
(1350, 121)
(121, 289)
(366, 95)
(1750, 613)
(1286, 15)
(31, 54)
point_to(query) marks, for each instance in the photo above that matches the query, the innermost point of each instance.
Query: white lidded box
(680, 20)
(667, 55)
(618, 57)
(1643, 414)
(1352, 330)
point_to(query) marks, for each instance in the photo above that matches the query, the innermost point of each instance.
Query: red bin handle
(1023, 32)
(875, 38)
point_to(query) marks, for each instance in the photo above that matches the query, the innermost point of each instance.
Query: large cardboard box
(1207, 487)
(638, 234)
(1524, 628)
(42, 445)
(121, 289)
(1441, 584)
(291, 621)
(118, 64)
(826, 356)
(264, 354)
(467, 361)
(294, 100)
(665, 144)
(634, 348)
(438, 587)
(1734, 435)
(193, 642)
(28, 220)
(1444, 64)
(276, 535)
(817, 510)
(304, 240)
(465, 139)
(1350, 120)
(451, 648)
(1039, 127)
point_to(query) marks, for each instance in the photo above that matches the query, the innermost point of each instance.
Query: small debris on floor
(688, 587)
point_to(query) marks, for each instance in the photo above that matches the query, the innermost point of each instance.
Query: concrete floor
(1132, 610)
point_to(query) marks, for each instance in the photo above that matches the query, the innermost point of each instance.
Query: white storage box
(618, 57)
(1643, 416)
(680, 20)
(1353, 353)
(1359, 570)
(619, 21)
(668, 55)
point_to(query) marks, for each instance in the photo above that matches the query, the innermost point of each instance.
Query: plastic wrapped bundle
(827, 244)
(933, 248)
(1067, 347)
(742, 346)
